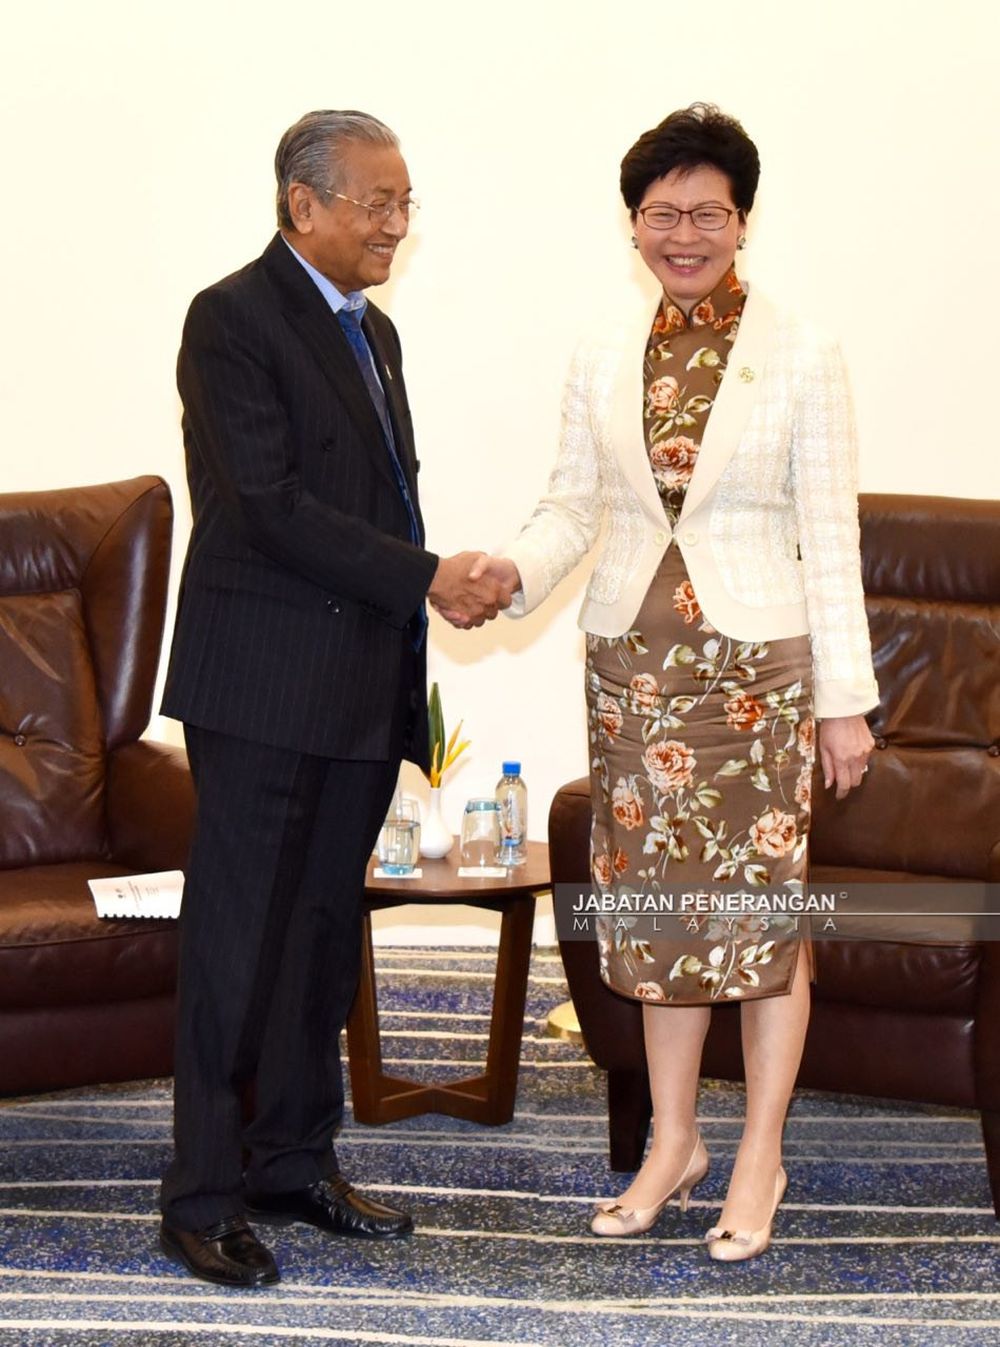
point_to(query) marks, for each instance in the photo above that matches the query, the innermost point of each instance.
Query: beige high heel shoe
(732, 1246)
(611, 1218)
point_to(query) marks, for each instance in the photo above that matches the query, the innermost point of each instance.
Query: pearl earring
(741, 242)
(634, 241)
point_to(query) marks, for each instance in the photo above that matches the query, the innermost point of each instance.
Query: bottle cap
(511, 769)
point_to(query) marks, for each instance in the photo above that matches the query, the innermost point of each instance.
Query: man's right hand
(465, 593)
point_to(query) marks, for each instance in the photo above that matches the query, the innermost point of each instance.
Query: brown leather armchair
(83, 581)
(902, 1019)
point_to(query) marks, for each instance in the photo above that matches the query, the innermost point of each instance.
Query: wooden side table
(486, 1098)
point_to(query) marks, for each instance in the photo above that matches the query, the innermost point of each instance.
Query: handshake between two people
(470, 588)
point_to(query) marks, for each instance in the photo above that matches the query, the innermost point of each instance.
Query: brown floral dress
(701, 745)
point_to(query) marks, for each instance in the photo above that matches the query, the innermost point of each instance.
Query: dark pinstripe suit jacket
(300, 580)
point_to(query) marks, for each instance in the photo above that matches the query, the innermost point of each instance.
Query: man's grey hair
(309, 151)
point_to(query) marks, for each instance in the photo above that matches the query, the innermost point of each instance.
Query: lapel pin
(747, 374)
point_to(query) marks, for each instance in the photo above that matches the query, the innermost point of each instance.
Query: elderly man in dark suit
(298, 669)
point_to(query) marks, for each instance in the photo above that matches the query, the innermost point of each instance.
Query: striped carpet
(887, 1235)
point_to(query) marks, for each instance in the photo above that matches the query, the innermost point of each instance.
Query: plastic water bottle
(512, 797)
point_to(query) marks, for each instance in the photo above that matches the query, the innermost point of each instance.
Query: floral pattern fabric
(702, 746)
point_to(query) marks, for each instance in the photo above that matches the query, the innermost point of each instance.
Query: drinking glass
(398, 845)
(409, 808)
(480, 832)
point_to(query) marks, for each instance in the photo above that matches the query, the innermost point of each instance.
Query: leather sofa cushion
(55, 950)
(908, 968)
(899, 819)
(52, 753)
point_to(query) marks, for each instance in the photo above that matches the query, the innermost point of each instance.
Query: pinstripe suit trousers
(270, 945)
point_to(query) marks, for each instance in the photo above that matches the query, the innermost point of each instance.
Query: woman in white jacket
(725, 612)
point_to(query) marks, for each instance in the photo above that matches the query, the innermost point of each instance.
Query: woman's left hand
(845, 745)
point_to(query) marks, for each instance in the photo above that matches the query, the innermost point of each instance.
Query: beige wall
(138, 139)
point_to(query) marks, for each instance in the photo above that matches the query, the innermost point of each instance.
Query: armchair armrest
(150, 806)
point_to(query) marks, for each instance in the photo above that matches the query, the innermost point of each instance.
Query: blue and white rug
(886, 1236)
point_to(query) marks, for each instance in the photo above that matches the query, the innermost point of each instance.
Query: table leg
(363, 1043)
(510, 992)
(487, 1098)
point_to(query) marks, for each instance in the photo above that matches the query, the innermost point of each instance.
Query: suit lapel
(734, 401)
(317, 325)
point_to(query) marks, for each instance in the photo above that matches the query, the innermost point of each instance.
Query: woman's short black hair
(687, 139)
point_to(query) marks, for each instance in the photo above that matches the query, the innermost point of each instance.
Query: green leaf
(757, 751)
(677, 655)
(435, 724)
(704, 827)
(697, 405)
(761, 780)
(709, 850)
(726, 870)
(704, 358)
(686, 964)
(634, 642)
(682, 703)
(708, 797)
(732, 767)
(643, 951)
(756, 874)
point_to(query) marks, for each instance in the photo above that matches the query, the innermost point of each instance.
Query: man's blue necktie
(350, 322)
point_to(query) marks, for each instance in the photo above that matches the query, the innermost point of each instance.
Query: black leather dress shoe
(332, 1206)
(228, 1253)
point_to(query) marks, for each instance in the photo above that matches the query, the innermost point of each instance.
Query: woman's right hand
(500, 569)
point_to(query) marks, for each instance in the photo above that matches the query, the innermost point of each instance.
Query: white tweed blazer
(769, 525)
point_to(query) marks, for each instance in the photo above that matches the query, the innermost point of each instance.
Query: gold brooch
(747, 374)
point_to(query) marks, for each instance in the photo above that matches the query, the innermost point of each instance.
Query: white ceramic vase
(435, 835)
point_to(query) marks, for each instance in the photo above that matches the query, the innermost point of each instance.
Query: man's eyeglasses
(380, 212)
(702, 217)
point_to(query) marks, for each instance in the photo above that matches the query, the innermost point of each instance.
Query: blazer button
(333, 605)
(880, 742)
(691, 537)
(20, 740)
(329, 443)
(994, 750)
(659, 537)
